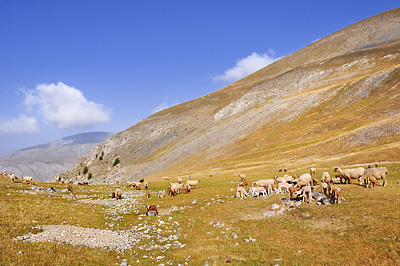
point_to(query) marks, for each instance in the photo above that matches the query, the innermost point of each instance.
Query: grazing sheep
(305, 193)
(175, 188)
(151, 208)
(263, 183)
(283, 187)
(116, 182)
(377, 173)
(128, 184)
(241, 192)
(257, 191)
(146, 185)
(179, 180)
(285, 178)
(338, 179)
(334, 195)
(141, 180)
(148, 194)
(243, 183)
(325, 177)
(27, 179)
(118, 194)
(186, 188)
(313, 171)
(192, 183)
(292, 190)
(349, 174)
(69, 188)
(165, 178)
(303, 180)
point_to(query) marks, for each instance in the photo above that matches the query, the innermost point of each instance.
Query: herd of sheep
(303, 186)
(298, 187)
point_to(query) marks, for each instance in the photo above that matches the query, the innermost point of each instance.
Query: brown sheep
(292, 190)
(242, 184)
(69, 188)
(151, 208)
(334, 195)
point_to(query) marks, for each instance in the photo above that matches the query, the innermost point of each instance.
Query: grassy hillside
(363, 229)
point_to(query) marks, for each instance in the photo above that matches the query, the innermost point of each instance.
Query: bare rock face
(335, 96)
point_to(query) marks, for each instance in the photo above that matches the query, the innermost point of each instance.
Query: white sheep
(256, 191)
(267, 183)
(175, 188)
(283, 187)
(192, 183)
(303, 180)
(161, 194)
(348, 174)
(27, 179)
(165, 178)
(116, 182)
(325, 177)
(179, 180)
(377, 173)
(285, 178)
(13, 177)
(241, 192)
(305, 193)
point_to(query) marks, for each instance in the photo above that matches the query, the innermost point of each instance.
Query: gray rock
(274, 206)
(318, 195)
(234, 235)
(269, 214)
(287, 201)
(297, 203)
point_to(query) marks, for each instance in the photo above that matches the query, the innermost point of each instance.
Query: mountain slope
(335, 101)
(45, 161)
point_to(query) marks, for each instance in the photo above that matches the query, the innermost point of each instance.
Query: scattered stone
(274, 206)
(297, 203)
(288, 201)
(269, 214)
(234, 236)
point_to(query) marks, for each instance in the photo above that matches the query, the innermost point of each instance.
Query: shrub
(85, 170)
(116, 161)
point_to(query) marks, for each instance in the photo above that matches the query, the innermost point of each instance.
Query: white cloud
(22, 124)
(64, 106)
(246, 66)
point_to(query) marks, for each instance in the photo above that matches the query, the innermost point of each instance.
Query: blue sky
(69, 67)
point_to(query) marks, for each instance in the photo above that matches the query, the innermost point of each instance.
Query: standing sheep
(377, 173)
(349, 174)
(325, 177)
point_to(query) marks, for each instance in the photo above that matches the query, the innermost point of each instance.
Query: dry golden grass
(362, 230)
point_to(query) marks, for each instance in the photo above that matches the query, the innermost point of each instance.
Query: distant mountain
(334, 102)
(45, 161)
